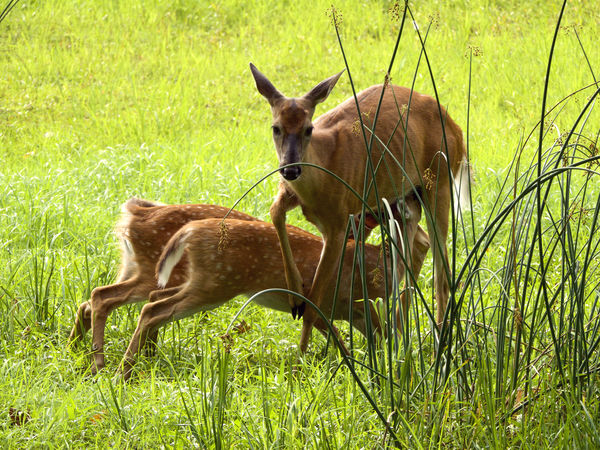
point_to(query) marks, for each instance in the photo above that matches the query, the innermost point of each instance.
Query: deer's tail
(462, 187)
(171, 255)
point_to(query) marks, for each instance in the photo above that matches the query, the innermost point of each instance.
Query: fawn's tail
(171, 255)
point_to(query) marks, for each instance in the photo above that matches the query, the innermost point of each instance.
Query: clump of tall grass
(519, 350)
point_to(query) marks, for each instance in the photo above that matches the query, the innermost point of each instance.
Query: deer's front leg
(284, 202)
(323, 287)
(155, 296)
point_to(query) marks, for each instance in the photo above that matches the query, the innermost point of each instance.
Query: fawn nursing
(205, 263)
(235, 257)
(417, 155)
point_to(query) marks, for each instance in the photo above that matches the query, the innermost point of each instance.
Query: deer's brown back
(338, 141)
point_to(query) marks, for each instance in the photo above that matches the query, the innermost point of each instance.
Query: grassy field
(101, 101)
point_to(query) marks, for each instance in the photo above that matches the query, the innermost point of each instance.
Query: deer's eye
(276, 130)
(308, 132)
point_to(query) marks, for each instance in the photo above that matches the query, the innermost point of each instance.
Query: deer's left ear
(321, 91)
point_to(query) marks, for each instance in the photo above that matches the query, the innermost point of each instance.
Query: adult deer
(424, 151)
(233, 257)
(144, 229)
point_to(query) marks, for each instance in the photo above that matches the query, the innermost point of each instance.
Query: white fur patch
(171, 261)
(462, 192)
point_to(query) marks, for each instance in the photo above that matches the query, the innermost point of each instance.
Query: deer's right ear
(264, 86)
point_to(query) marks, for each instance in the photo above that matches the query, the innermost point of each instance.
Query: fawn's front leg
(156, 314)
(155, 296)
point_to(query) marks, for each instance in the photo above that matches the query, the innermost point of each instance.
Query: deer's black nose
(291, 173)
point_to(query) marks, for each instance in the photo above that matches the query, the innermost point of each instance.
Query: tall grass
(103, 101)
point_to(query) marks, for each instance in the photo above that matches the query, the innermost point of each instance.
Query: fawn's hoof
(126, 369)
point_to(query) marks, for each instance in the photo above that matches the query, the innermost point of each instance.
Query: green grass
(100, 101)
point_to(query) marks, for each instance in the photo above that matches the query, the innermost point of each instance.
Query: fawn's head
(292, 120)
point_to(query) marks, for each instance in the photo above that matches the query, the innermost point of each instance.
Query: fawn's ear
(321, 91)
(264, 86)
(369, 220)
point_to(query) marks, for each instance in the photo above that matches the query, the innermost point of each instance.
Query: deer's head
(292, 120)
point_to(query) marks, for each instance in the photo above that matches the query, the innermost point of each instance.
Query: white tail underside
(462, 191)
(166, 266)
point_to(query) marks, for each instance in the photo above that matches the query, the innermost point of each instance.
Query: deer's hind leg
(107, 298)
(438, 202)
(155, 296)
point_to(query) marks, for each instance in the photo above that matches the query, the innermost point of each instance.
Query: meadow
(101, 101)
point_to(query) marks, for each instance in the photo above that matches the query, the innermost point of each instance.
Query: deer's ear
(321, 91)
(264, 86)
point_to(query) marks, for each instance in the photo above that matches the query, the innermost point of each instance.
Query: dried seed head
(428, 178)
(386, 81)
(403, 109)
(434, 19)
(396, 11)
(242, 327)
(377, 277)
(227, 342)
(473, 50)
(335, 16)
(356, 125)
(571, 28)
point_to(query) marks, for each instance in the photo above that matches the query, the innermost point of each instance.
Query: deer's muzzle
(291, 173)
(292, 145)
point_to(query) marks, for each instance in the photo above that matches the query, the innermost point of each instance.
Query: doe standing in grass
(416, 145)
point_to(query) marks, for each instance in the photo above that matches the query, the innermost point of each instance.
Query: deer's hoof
(300, 310)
